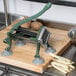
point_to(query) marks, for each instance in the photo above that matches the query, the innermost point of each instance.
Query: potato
(36, 25)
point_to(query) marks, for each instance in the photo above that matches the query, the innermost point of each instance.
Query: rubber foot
(50, 50)
(20, 43)
(38, 61)
(6, 53)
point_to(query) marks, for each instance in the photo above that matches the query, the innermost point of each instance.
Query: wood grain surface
(23, 55)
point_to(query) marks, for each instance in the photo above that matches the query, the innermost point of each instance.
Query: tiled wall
(56, 13)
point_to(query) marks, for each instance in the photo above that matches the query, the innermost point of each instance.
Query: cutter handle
(32, 17)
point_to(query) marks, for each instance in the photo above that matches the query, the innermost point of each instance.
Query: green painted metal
(38, 50)
(32, 17)
(9, 39)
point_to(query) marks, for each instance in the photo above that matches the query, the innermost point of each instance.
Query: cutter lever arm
(32, 17)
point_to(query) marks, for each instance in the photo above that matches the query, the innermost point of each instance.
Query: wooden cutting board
(23, 55)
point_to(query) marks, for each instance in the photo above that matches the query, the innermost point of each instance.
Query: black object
(25, 32)
(57, 2)
(45, 37)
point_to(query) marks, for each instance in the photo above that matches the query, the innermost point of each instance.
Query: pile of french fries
(62, 64)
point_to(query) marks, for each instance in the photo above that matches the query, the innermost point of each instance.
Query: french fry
(62, 64)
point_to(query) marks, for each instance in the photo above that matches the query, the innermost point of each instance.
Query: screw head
(72, 34)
